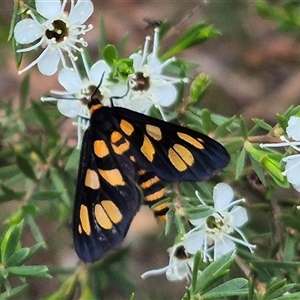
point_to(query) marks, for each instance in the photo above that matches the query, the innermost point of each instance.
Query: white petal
(139, 103)
(137, 61)
(81, 11)
(292, 169)
(154, 64)
(222, 195)
(49, 9)
(177, 272)
(97, 70)
(49, 63)
(239, 215)
(296, 186)
(165, 93)
(194, 242)
(293, 128)
(70, 80)
(198, 222)
(223, 246)
(69, 108)
(27, 31)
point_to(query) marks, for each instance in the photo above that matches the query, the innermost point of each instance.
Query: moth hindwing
(125, 156)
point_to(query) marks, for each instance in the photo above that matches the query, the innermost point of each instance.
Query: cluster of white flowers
(211, 234)
(60, 33)
(292, 162)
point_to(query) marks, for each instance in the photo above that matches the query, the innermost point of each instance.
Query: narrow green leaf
(196, 266)
(199, 33)
(16, 17)
(30, 271)
(13, 292)
(24, 93)
(243, 128)
(223, 128)
(44, 119)
(18, 257)
(73, 161)
(46, 196)
(262, 124)
(258, 170)
(10, 240)
(25, 167)
(199, 88)
(234, 287)
(35, 231)
(213, 272)
(273, 288)
(206, 121)
(240, 164)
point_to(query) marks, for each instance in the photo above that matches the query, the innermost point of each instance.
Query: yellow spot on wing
(154, 132)
(176, 160)
(79, 229)
(115, 137)
(113, 176)
(112, 211)
(120, 149)
(100, 148)
(102, 217)
(91, 179)
(147, 149)
(126, 127)
(84, 219)
(189, 139)
(185, 154)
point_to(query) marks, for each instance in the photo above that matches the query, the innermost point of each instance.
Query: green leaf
(234, 287)
(258, 170)
(13, 292)
(240, 164)
(30, 271)
(273, 288)
(18, 258)
(262, 124)
(10, 240)
(24, 93)
(243, 128)
(198, 88)
(73, 161)
(206, 121)
(44, 119)
(25, 167)
(222, 130)
(110, 54)
(195, 35)
(35, 231)
(212, 273)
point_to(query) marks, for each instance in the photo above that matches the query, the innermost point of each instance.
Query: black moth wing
(172, 151)
(103, 213)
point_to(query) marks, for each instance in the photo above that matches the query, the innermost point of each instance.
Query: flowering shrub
(216, 248)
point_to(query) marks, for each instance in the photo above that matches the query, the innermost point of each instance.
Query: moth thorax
(181, 253)
(139, 82)
(59, 32)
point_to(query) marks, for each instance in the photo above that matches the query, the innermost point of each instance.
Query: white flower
(58, 33)
(213, 233)
(70, 102)
(292, 167)
(148, 86)
(179, 267)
